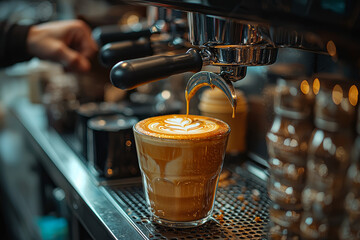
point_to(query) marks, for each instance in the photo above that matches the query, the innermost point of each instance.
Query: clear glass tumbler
(180, 175)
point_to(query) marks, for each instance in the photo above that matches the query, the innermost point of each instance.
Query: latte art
(181, 126)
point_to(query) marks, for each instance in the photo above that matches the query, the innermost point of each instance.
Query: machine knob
(108, 34)
(112, 53)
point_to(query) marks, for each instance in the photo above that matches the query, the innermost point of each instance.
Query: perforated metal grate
(241, 212)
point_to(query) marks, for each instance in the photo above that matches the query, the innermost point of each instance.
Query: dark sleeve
(13, 43)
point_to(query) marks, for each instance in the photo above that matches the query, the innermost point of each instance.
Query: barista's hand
(67, 42)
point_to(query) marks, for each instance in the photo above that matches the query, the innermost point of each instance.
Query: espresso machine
(163, 32)
(235, 35)
(283, 194)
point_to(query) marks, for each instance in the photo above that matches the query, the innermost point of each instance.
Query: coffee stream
(189, 95)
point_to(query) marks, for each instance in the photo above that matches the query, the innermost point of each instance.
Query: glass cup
(180, 167)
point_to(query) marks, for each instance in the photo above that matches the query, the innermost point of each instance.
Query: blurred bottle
(287, 143)
(328, 160)
(214, 103)
(351, 224)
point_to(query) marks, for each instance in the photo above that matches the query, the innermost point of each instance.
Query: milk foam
(182, 125)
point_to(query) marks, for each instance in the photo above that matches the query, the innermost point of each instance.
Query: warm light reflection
(305, 87)
(341, 154)
(102, 122)
(128, 143)
(272, 137)
(353, 95)
(109, 171)
(331, 48)
(316, 86)
(132, 19)
(166, 94)
(337, 94)
(121, 122)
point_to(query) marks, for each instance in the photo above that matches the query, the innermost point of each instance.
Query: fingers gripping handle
(130, 74)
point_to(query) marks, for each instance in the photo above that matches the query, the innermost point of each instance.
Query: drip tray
(241, 210)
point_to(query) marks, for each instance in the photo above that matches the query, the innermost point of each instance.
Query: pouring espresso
(226, 43)
(202, 79)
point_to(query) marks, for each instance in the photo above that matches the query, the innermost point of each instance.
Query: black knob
(112, 53)
(108, 34)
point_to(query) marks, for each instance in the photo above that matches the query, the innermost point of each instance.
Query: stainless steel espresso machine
(299, 176)
(235, 35)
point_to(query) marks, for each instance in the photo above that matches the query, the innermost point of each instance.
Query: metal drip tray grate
(241, 211)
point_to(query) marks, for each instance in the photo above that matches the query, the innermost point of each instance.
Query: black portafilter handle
(112, 53)
(108, 34)
(130, 74)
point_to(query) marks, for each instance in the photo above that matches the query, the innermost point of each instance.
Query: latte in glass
(181, 157)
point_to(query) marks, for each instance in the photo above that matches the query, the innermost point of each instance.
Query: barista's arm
(67, 42)
(13, 45)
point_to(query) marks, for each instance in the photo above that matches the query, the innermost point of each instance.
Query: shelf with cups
(116, 208)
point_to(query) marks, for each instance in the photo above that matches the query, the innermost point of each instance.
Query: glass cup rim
(220, 136)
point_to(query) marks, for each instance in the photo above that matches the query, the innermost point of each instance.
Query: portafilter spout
(204, 78)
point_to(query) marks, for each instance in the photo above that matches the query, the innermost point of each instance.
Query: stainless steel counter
(115, 209)
(84, 193)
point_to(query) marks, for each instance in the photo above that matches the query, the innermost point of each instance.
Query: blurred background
(31, 203)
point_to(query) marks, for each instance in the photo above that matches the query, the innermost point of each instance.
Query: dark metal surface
(306, 14)
(116, 209)
(84, 193)
(320, 20)
(241, 211)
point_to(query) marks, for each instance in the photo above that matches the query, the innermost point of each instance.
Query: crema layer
(182, 127)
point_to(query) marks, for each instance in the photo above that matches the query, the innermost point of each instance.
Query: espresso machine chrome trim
(205, 30)
(257, 55)
(221, 42)
(229, 42)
